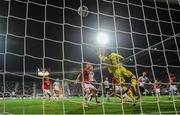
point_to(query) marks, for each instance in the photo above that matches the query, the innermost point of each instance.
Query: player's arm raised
(101, 57)
(78, 77)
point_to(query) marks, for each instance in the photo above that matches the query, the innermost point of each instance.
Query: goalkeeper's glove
(76, 81)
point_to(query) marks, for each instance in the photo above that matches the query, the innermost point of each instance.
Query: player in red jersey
(46, 88)
(88, 88)
(157, 87)
(116, 86)
(173, 86)
(117, 91)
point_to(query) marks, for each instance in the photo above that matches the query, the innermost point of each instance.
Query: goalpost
(60, 35)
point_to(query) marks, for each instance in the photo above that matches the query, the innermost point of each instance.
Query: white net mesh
(60, 36)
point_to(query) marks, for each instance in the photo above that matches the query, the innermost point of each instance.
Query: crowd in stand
(16, 88)
(32, 88)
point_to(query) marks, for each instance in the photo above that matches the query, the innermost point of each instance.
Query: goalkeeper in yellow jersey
(116, 68)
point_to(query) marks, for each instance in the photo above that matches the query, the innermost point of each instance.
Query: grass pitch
(73, 105)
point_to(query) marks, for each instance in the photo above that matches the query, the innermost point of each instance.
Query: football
(83, 11)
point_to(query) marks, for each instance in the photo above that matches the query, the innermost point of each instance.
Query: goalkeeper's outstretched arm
(112, 58)
(101, 57)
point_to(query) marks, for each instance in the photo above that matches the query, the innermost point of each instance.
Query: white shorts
(126, 96)
(157, 91)
(56, 88)
(117, 88)
(172, 88)
(46, 91)
(88, 86)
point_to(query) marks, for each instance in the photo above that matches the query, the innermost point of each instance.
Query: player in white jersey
(106, 87)
(143, 80)
(57, 89)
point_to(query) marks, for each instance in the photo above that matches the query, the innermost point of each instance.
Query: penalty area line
(164, 112)
(6, 113)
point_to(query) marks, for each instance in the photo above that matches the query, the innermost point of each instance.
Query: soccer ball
(83, 11)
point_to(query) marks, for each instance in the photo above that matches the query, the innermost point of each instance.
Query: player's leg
(122, 71)
(157, 93)
(130, 75)
(87, 97)
(57, 91)
(118, 91)
(126, 98)
(170, 94)
(118, 75)
(178, 94)
(49, 94)
(46, 93)
(56, 94)
(141, 91)
(128, 92)
(175, 91)
(170, 91)
(107, 94)
(87, 94)
(125, 89)
(94, 92)
(121, 94)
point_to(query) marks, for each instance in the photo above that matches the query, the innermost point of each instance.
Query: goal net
(60, 36)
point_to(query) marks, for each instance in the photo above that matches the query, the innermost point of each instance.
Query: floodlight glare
(102, 38)
(42, 73)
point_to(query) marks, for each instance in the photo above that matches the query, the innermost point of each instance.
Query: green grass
(73, 105)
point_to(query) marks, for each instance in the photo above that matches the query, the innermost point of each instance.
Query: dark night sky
(34, 34)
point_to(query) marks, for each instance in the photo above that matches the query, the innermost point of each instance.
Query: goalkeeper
(116, 68)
